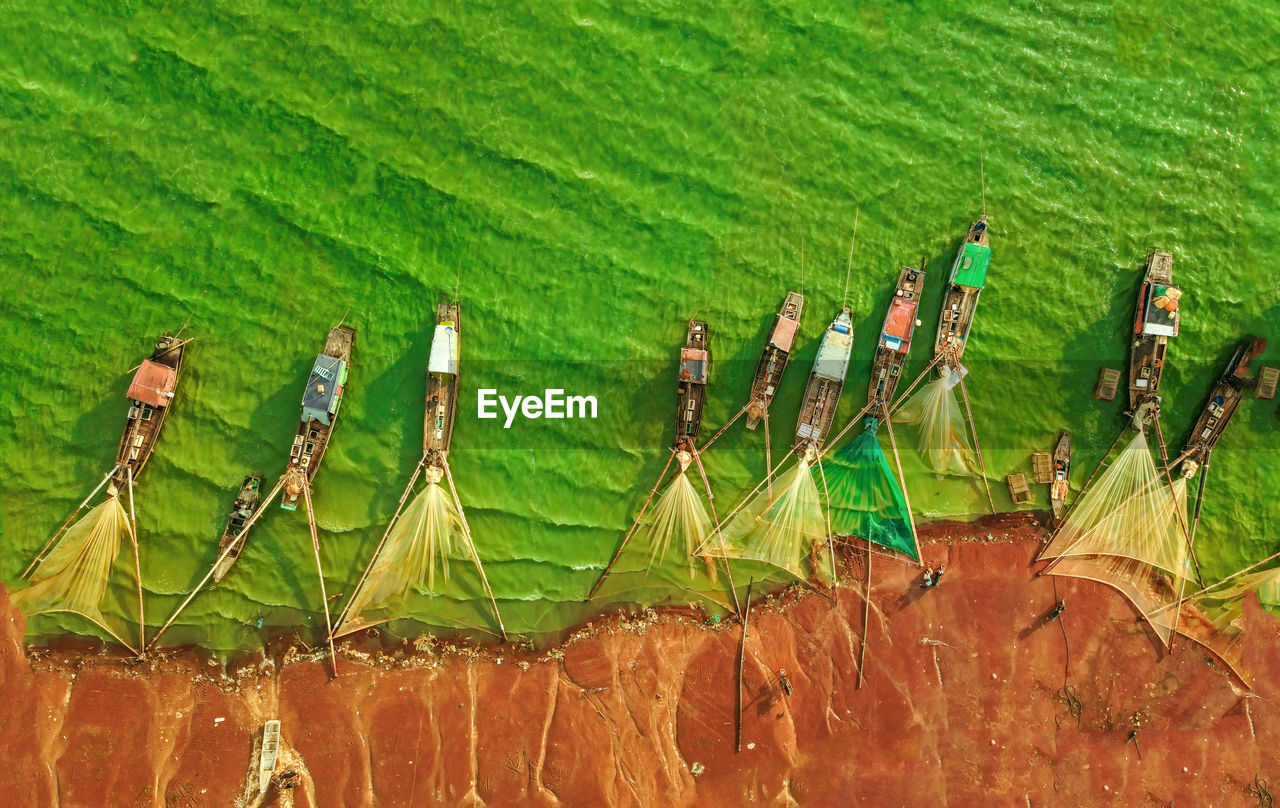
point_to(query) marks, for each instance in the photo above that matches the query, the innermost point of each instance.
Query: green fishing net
(864, 496)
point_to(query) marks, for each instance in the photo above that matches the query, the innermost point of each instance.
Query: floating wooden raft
(1108, 383)
(1267, 379)
(1018, 488)
(1042, 467)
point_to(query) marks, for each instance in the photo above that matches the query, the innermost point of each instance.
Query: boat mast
(849, 269)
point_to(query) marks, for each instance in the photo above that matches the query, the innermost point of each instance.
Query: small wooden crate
(1267, 379)
(1018, 488)
(1108, 383)
(1042, 467)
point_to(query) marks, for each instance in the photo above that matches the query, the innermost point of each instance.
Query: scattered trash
(697, 769)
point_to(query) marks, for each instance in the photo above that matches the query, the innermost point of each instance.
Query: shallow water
(593, 176)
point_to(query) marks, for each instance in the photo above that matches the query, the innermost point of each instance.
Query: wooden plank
(1108, 382)
(1042, 467)
(1267, 380)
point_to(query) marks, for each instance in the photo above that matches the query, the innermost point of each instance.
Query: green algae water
(591, 176)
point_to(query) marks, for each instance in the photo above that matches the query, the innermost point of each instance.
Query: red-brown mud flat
(966, 699)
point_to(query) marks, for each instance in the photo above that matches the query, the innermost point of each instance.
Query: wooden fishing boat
(960, 298)
(774, 359)
(320, 403)
(695, 364)
(1060, 485)
(1155, 320)
(233, 537)
(826, 380)
(442, 383)
(895, 336)
(1225, 397)
(269, 755)
(150, 399)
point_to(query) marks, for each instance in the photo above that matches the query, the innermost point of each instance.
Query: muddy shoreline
(969, 696)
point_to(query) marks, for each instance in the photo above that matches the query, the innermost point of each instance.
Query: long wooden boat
(442, 383)
(1225, 397)
(1155, 319)
(320, 403)
(269, 754)
(695, 365)
(777, 351)
(150, 398)
(895, 336)
(1060, 484)
(247, 500)
(960, 298)
(826, 380)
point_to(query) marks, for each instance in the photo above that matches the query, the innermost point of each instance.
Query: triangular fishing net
(781, 525)
(942, 439)
(678, 517)
(1129, 531)
(414, 558)
(74, 576)
(865, 499)
(1213, 617)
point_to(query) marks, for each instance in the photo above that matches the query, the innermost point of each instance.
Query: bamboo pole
(1204, 475)
(902, 480)
(1182, 521)
(831, 542)
(742, 655)
(707, 445)
(493, 601)
(137, 563)
(902, 397)
(324, 596)
(768, 455)
(417, 471)
(221, 556)
(973, 429)
(40, 556)
(831, 442)
(711, 501)
(634, 525)
(866, 619)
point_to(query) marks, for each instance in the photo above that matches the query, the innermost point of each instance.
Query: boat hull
(691, 387)
(894, 342)
(145, 418)
(773, 361)
(312, 437)
(442, 386)
(960, 298)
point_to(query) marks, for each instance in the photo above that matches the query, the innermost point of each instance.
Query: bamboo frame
(137, 564)
(977, 447)
(475, 555)
(324, 596)
(627, 538)
(711, 501)
(40, 556)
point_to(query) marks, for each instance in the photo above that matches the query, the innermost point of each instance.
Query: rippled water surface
(593, 175)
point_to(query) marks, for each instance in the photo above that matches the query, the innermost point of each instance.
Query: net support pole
(722, 429)
(342, 616)
(742, 656)
(768, 455)
(1195, 522)
(902, 480)
(1182, 521)
(711, 502)
(324, 596)
(221, 556)
(40, 556)
(471, 544)
(137, 563)
(831, 541)
(632, 530)
(973, 430)
(866, 620)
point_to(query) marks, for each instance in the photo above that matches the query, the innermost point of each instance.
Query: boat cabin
(832, 361)
(152, 387)
(970, 268)
(324, 389)
(444, 350)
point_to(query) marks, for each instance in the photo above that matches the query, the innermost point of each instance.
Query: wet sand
(962, 703)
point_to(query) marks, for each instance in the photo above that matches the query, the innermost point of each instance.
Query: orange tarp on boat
(153, 384)
(902, 315)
